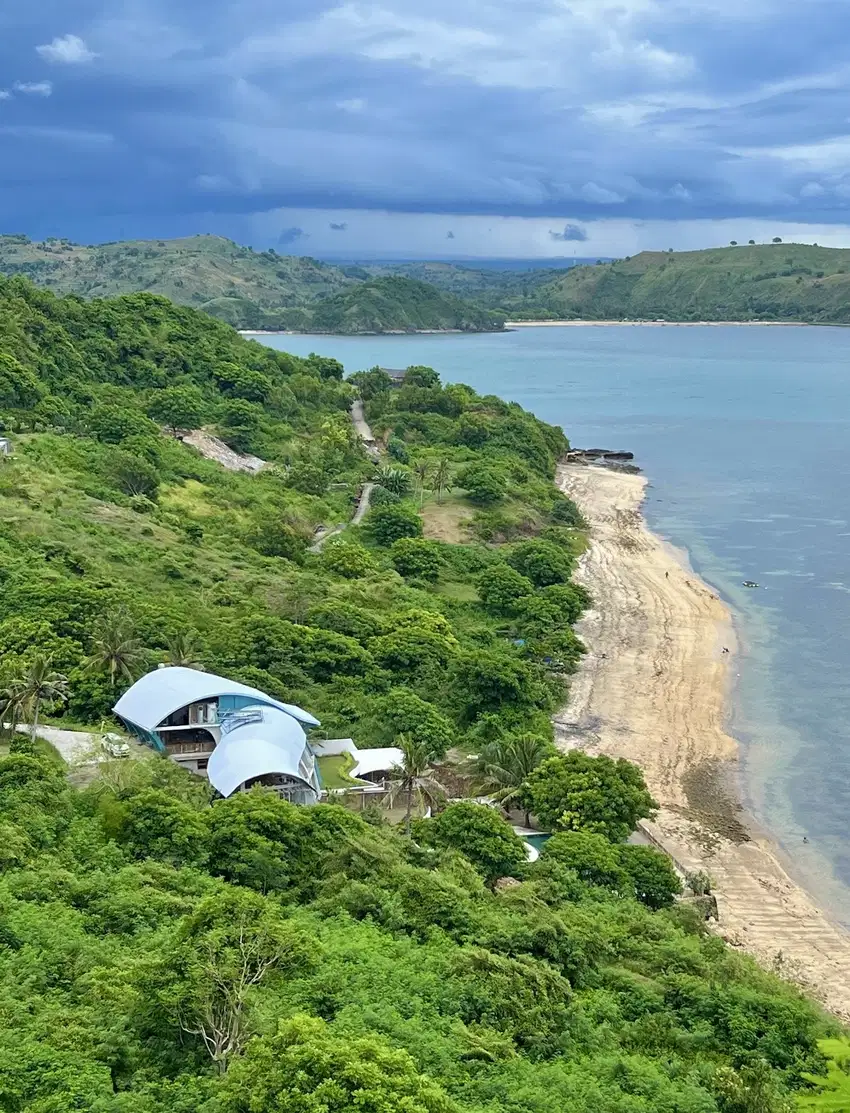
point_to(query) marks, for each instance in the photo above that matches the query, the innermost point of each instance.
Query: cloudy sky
(484, 127)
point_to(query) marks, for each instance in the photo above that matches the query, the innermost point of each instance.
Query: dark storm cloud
(571, 233)
(142, 113)
(290, 236)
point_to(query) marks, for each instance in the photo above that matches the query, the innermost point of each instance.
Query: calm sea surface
(743, 434)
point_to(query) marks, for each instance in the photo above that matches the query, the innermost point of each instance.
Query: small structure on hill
(5, 448)
(232, 733)
(397, 374)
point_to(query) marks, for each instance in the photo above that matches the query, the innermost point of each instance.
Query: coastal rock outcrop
(603, 457)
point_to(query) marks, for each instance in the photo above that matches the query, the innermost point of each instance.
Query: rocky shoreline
(603, 458)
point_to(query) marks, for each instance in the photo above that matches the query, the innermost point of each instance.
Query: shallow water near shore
(742, 433)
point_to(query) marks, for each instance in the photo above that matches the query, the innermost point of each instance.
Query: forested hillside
(248, 289)
(775, 282)
(410, 304)
(161, 952)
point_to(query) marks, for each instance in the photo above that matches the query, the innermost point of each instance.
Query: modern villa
(236, 735)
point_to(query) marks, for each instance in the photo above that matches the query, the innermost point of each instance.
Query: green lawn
(334, 771)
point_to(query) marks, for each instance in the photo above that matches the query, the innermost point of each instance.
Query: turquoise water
(743, 434)
(537, 841)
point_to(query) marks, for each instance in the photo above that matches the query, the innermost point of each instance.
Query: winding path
(361, 426)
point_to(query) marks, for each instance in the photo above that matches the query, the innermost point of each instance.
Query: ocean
(743, 435)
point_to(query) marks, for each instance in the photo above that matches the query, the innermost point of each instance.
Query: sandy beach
(653, 688)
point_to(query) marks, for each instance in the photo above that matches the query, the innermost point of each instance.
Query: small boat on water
(750, 583)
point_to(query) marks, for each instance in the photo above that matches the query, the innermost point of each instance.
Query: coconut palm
(503, 766)
(183, 650)
(442, 479)
(39, 685)
(116, 647)
(422, 472)
(12, 707)
(413, 778)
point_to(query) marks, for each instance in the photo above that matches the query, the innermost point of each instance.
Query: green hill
(782, 282)
(246, 288)
(165, 952)
(409, 304)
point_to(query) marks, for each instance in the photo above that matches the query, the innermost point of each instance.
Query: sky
(492, 128)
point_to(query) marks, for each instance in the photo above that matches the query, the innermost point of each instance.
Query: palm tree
(12, 706)
(413, 777)
(116, 647)
(422, 471)
(39, 685)
(183, 650)
(504, 765)
(442, 479)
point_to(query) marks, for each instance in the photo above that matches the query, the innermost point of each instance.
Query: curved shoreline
(654, 688)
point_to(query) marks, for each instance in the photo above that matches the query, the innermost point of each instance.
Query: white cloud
(34, 88)
(354, 105)
(69, 50)
(5, 94)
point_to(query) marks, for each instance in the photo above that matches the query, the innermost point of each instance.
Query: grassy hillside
(487, 285)
(793, 282)
(248, 289)
(163, 952)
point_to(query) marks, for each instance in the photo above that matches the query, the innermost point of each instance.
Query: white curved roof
(380, 760)
(261, 740)
(162, 692)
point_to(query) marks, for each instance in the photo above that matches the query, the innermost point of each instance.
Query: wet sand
(653, 688)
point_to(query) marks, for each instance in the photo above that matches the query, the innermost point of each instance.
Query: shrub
(390, 523)
(415, 557)
(483, 484)
(479, 833)
(576, 792)
(543, 562)
(346, 558)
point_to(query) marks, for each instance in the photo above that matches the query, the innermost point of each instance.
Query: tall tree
(422, 472)
(442, 478)
(183, 650)
(38, 686)
(413, 778)
(116, 647)
(503, 766)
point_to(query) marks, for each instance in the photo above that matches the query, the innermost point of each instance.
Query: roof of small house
(162, 692)
(257, 741)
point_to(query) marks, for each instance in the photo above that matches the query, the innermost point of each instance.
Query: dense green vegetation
(248, 289)
(771, 282)
(108, 521)
(399, 303)
(161, 952)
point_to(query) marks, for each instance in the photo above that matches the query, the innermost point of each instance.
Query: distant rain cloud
(291, 235)
(68, 50)
(572, 233)
(343, 227)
